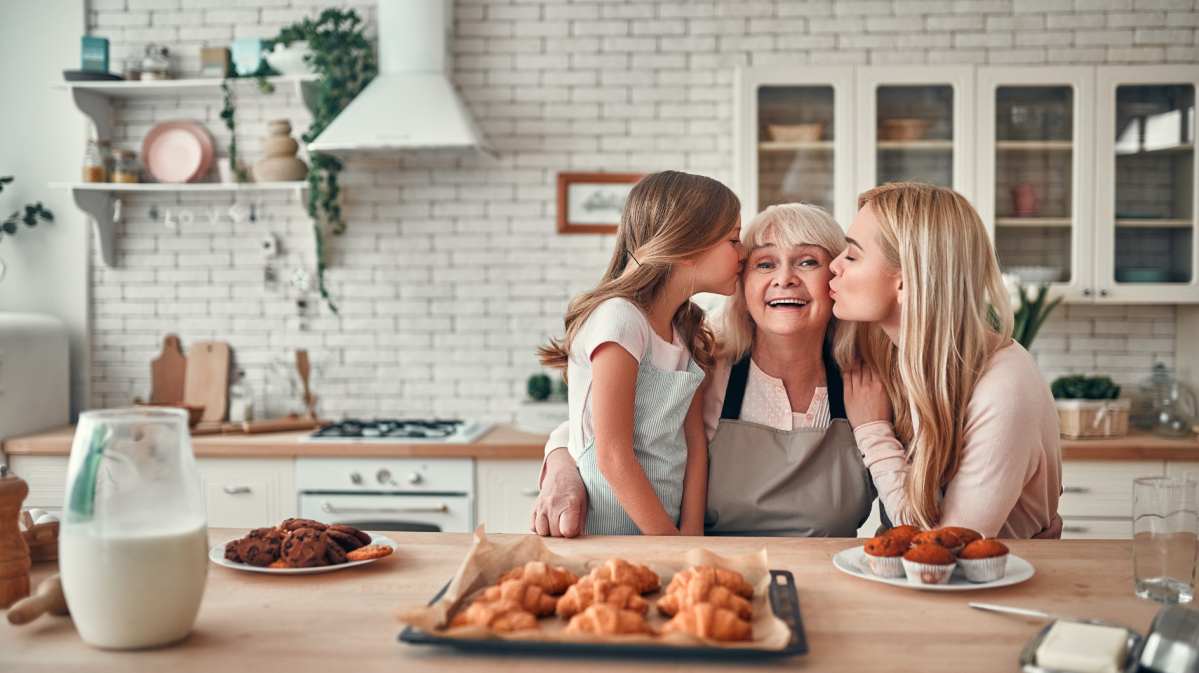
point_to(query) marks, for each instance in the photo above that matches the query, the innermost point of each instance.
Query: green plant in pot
(546, 407)
(1088, 406)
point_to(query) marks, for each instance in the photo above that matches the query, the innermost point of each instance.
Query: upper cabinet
(1084, 176)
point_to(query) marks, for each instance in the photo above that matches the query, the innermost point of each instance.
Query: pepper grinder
(14, 553)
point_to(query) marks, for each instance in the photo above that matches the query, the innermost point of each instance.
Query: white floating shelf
(171, 87)
(1033, 222)
(781, 146)
(916, 145)
(1034, 145)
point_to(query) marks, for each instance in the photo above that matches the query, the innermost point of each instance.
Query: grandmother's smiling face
(786, 288)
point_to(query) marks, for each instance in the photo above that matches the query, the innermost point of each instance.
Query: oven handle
(330, 509)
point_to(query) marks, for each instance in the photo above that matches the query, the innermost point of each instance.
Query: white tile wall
(451, 273)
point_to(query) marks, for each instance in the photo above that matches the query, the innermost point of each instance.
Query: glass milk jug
(133, 547)
(1167, 406)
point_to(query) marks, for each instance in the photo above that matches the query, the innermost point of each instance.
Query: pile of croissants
(709, 602)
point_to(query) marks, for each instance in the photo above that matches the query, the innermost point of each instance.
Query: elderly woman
(782, 457)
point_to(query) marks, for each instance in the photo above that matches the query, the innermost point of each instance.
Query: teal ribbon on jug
(83, 495)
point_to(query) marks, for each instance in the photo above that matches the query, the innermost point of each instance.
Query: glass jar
(124, 166)
(133, 69)
(1166, 406)
(95, 161)
(157, 63)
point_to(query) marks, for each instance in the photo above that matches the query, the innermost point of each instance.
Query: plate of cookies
(946, 559)
(301, 547)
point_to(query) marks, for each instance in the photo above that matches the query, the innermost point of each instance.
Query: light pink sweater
(1011, 470)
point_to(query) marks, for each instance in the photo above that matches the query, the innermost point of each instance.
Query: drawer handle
(530, 491)
(330, 509)
(1075, 529)
(234, 490)
(1076, 489)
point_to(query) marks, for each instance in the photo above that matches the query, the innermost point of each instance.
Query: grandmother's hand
(866, 399)
(561, 506)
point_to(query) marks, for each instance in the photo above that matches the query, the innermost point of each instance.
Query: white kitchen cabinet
(506, 490)
(1097, 502)
(47, 478)
(247, 493)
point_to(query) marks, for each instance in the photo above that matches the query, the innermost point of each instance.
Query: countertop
(1137, 445)
(501, 443)
(344, 621)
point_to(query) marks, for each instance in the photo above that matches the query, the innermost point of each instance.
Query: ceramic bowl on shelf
(177, 151)
(289, 59)
(791, 133)
(1035, 274)
(903, 129)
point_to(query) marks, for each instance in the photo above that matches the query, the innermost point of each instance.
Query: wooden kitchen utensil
(14, 553)
(309, 399)
(207, 380)
(48, 600)
(167, 373)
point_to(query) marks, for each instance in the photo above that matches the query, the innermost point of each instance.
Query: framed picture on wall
(591, 203)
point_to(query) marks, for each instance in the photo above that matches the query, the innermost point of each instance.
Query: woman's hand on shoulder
(866, 399)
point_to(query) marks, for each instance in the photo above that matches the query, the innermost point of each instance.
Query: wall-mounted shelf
(1181, 147)
(780, 146)
(101, 201)
(1033, 222)
(1034, 145)
(1154, 223)
(916, 145)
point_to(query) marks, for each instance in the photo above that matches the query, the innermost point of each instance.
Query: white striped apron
(659, 407)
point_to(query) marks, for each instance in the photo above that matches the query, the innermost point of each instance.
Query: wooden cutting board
(207, 379)
(167, 373)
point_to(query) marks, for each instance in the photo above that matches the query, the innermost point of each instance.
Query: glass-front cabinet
(1035, 173)
(1146, 171)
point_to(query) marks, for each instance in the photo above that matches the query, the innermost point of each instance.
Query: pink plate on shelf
(177, 151)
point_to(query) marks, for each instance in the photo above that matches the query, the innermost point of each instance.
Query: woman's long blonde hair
(668, 217)
(949, 271)
(790, 224)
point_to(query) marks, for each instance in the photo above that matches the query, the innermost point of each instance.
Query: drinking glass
(1165, 520)
(133, 544)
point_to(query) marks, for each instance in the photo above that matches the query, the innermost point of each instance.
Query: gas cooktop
(390, 431)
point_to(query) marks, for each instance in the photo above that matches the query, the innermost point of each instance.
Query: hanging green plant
(345, 61)
(229, 114)
(33, 213)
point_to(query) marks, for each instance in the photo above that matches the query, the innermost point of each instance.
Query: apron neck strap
(832, 378)
(735, 392)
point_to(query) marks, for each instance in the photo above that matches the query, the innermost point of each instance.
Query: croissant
(635, 575)
(551, 580)
(697, 592)
(608, 620)
(589, 591)
(709, 576)
(501, 615)
(708, 621)
(529, 597)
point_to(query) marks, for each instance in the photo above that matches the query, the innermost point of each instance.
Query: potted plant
(1029, 306)
(1087, 407)
(545, 408)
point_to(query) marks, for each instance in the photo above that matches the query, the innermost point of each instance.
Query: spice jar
(124, 166)
(95, 161)
(133, 69)
(157, 63)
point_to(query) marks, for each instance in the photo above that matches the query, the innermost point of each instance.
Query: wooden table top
(501, 443)
(344, 621)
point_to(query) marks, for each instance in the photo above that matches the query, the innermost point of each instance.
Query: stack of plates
(177, 151)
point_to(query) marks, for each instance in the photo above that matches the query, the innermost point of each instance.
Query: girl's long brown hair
(668, 217)
(949, 270)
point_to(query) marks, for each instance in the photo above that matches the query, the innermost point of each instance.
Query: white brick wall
(452, 273)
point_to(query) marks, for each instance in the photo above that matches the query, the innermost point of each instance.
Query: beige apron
(808, 482)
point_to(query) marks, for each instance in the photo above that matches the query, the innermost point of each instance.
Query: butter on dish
(1083, 648)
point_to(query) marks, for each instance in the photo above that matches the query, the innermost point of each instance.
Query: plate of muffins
(946, 559)
(301, 547)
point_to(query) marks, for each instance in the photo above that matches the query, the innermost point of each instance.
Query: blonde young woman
(782, 459)
(953, 418)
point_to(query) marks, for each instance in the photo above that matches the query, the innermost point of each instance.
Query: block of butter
(1083, 648)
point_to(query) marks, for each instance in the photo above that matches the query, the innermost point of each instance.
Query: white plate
(853, 562)
(217, 556)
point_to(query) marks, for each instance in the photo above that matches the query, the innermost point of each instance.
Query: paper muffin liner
(885, 566)
(925, 573)
(984, 569)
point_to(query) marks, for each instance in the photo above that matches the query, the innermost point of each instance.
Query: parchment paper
(487, 560)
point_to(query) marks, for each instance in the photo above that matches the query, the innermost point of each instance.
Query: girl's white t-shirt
(618, 321)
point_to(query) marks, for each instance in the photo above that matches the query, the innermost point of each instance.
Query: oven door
(420, 513)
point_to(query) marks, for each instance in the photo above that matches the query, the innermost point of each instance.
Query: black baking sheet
(783, 601)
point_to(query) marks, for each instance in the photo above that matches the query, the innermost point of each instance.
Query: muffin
(928, 564)
(984, 560)
(964, 535)
(940, 538)
(903, 534)
(883, 555)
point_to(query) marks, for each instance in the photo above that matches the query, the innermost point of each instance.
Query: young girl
(633, 351)
(974, 441)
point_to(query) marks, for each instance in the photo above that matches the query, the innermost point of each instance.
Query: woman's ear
(899, 291)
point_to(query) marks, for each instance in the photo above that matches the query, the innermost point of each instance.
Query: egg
(35, 514)
(45, 518)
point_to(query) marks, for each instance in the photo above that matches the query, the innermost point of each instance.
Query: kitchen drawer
(1096, 529)
(1102, 489)
(1183, 469)
(507, 490)
(47, 479)
(250, 493)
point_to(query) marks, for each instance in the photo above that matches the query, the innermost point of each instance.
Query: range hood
(411, 105)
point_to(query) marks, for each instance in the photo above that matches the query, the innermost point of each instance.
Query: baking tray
(783, 601)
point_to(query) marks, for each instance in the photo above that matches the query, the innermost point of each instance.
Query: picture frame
(591, 203)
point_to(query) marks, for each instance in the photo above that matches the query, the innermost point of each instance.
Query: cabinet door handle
(1076, 489)
(234, 490)
(1103, 292)
(1086, 292)
(1075, 529)
(530, 491)
(330, 509)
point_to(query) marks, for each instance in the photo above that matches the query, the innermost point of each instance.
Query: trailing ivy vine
(229, 114)
(33, 212)
(345, 61)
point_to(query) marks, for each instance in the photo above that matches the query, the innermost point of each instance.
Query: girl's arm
(869, 411)
(695, 481)
(613, 386)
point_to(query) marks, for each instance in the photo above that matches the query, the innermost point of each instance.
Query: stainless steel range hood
(410, 106)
